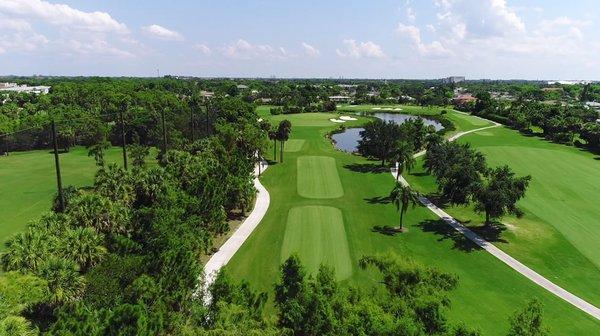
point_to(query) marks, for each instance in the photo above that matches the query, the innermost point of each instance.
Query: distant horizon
(300, 78)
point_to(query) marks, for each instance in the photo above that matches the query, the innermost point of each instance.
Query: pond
(347, 141)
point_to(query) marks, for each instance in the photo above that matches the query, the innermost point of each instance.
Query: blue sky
(368, 39)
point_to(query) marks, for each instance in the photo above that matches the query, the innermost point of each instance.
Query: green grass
(488, 291)
(316, 234)
(28, 183)
(318, 177)
(293, 145)
(559, 232)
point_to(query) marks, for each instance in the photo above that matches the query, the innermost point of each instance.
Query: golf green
(318, 177)
(316, 233)
(293, 145)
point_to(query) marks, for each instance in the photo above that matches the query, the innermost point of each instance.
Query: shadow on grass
(445, 231)
(386, 230)
(492, 233)
(366, 168)
(419, 174)
(378, 200)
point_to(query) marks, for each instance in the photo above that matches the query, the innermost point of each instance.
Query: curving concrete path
(499, 254)
(227, 250)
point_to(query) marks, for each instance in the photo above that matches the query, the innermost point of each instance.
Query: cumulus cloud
(310, 50)
(162, 33)
(62, 15)
(413, 34)
(244, 50)
(77, 32)
(354, 49)
(203, 48)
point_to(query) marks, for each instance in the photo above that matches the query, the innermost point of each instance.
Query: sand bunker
(337, 120)
(347, 118)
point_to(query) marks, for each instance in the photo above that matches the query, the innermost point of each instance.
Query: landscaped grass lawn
(489, 291)
(293, 145)
(28, 183)
(559, 234)
(318, 177)
(316, 233)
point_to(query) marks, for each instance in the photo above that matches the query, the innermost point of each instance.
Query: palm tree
(283, 134)
(25, 251)
(402, 196)
(273, 136)
(64, 281)
(97, 151)
(404, 155)
(84, 246)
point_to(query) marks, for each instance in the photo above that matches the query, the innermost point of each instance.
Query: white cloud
(244, 50)
(357, 50)
(162, 33)
(310, 50)
(62, 15)
(410, 14)
(73, 31)
(203, 48)
(413, 33)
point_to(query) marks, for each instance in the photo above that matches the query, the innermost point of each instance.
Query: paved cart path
(499, 254)
(227, 250)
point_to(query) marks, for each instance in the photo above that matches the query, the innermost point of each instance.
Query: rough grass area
(318, 177)
(316, 233)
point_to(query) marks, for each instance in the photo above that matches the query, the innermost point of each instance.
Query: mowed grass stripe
(318, 177)
(293, 145)
(316, 233)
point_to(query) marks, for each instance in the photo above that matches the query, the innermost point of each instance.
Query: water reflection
(347, 141)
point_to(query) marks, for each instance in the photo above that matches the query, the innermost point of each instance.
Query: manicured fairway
(488, 292)
(28, 183)
(293, 145)
(316, 233)
(318, 177)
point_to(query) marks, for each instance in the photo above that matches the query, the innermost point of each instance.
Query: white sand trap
(347, 118)
(336, 120)
(259, 119)
(376, 108)
(397, 109)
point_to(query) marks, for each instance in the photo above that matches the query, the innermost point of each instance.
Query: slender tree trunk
(275, 150)
(281, 151)
(487, 217)
(401, 218)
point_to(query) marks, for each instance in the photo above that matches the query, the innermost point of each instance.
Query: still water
(348, 140)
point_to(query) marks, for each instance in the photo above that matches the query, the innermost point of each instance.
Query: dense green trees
(463, 176)
(499, 193)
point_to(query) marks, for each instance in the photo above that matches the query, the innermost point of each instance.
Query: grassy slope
(559, 233)
(488, 292)
(29, 183)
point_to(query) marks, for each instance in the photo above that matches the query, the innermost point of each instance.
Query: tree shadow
(366, 168)
(378, 200)
(386, 230)
(419, 174)
(445, 231)
(491, 232)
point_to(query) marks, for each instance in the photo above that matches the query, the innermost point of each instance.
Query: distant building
(13, 87)
(463, 99)
(207, 94)
(453, 79)
(340, 99)
(569, 82)
(242, 87)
